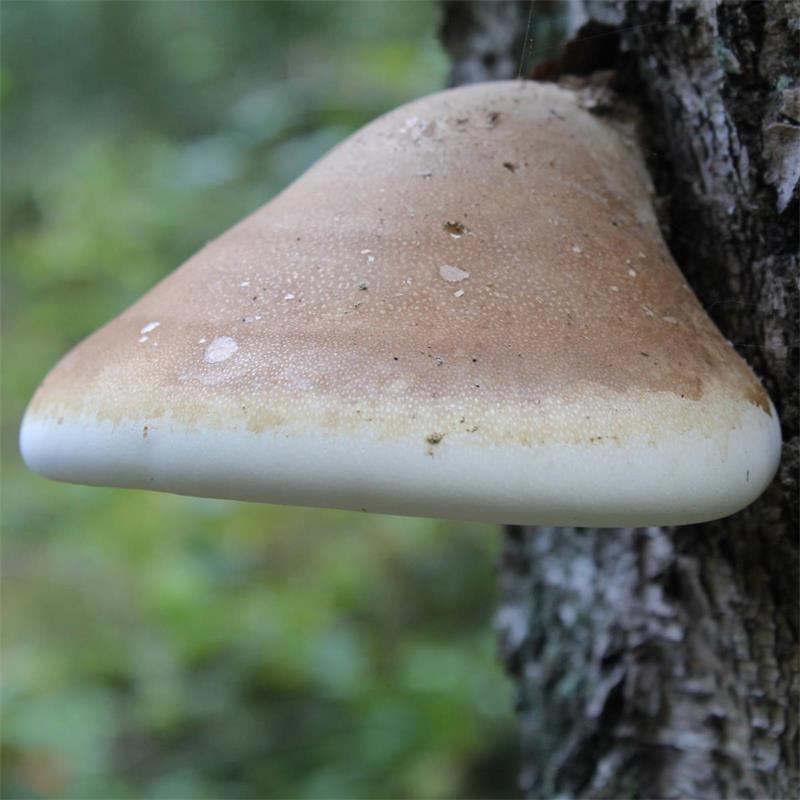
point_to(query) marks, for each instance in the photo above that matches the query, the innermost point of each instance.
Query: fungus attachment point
(581, 384)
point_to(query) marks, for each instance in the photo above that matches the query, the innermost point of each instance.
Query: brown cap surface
(481, 269)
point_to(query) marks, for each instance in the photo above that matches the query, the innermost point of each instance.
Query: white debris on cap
(453, 274)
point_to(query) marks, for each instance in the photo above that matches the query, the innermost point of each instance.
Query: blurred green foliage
(167, 647)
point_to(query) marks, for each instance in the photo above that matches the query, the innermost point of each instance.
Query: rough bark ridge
(664, 662)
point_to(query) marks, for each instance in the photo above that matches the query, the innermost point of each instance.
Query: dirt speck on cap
(455, 229)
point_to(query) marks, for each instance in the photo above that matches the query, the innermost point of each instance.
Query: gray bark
(664, 662)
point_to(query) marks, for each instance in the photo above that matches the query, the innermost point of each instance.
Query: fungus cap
(465, 310)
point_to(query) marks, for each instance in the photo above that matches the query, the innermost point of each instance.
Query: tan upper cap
(466, 309)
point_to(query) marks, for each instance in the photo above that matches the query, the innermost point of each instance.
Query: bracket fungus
(465, 310)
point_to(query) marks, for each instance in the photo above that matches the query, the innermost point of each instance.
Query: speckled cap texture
(465, 310)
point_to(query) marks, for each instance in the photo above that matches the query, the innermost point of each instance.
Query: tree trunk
(664, 662)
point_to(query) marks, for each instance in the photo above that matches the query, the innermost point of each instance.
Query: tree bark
(664, 662)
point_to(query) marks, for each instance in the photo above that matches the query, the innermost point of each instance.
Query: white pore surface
(686, 478)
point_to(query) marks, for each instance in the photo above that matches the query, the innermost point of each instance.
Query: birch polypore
(465, 310)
